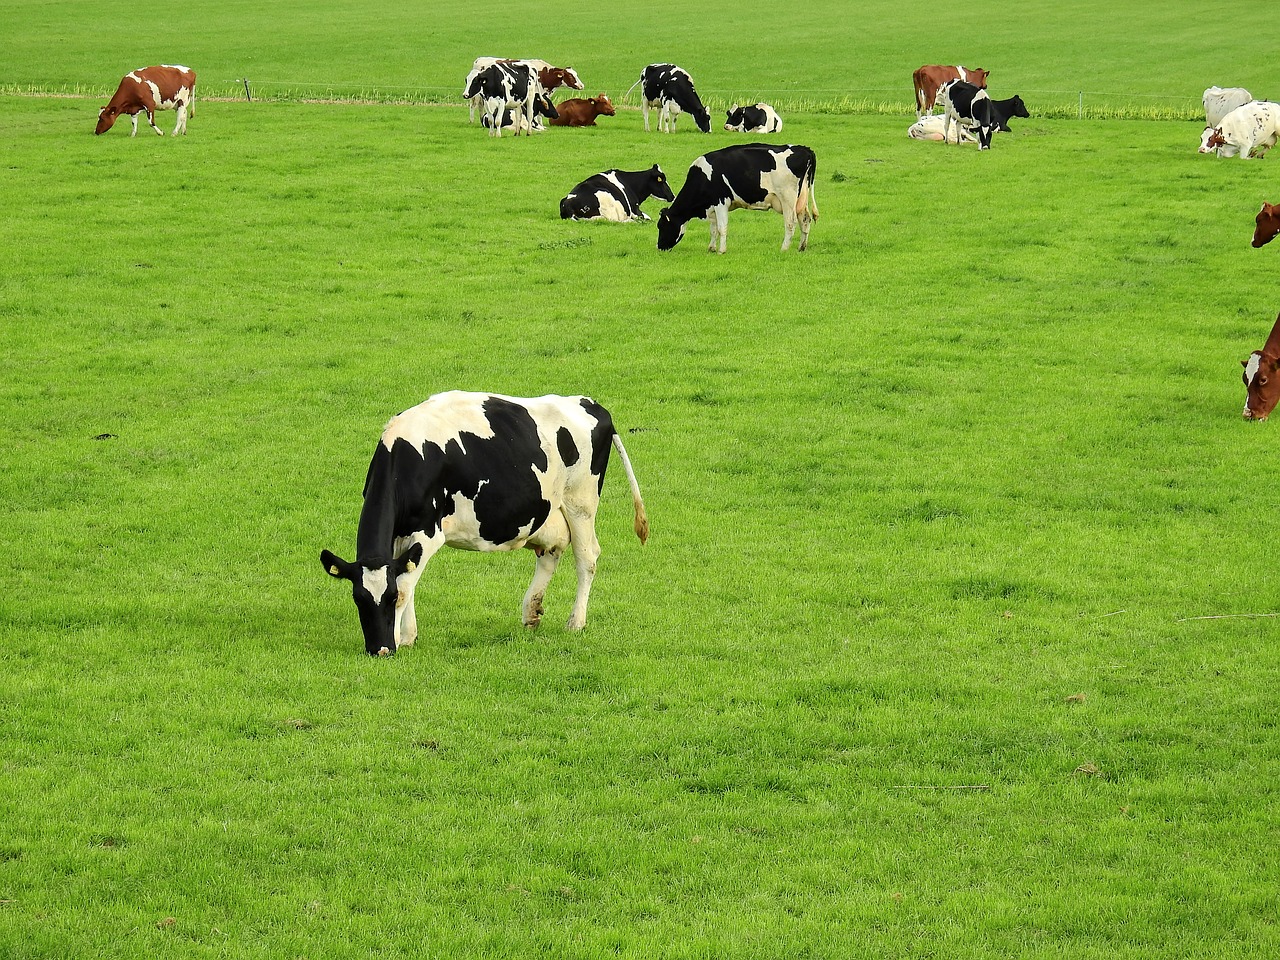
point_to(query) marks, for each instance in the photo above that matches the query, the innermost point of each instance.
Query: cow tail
(806, 201)
(642, 520)
(632, 87)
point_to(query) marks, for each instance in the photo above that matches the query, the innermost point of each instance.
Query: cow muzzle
(1250, 415)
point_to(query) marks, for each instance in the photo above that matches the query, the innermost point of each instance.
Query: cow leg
(181, 126)
(586, 551)
(645, 107)
(134, 118)
(719, 220)
(549, 544)
(151, 119)
(406, 624)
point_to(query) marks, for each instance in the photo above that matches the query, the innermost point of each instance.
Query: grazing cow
(1251, 128)
(932, 127)
(755, 176)
(542, 107)
(582, 113)
(615, 195)
(548, 76)
(970, 106)
(761, 118)
(505, 85)
(930, 78)
(669, 89)
(482, 472)
(166, 87)
(1262, 377)
(1267, 224)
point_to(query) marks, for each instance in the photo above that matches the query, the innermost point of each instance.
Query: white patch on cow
(1251, 368)
(374, 580)
(444, 417)
(610, 208)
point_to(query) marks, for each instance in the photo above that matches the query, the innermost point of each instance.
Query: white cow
(1218, 102)
(932, 127)
(1253, 127)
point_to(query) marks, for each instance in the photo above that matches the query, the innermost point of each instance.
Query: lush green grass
(976, 452)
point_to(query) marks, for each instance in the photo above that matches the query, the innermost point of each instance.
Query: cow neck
(375, 536)
(1272, 347)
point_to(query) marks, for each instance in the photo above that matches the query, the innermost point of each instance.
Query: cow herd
(488, 472)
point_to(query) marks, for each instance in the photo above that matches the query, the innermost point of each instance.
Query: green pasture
(956, 634)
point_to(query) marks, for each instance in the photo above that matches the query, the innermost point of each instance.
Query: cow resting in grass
(1247, 131)
(1218, 102)
(930, 78)
(1262, 377)
(580, 112)
(483, 472)
(166, 87)
(754, 176)
(615, 195)
(760, 118)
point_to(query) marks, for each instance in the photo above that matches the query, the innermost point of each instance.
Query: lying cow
(504, 85)
(930, 78)
(971, 106)
(1218, 102)
(932, 127)
(1262, 377)
(754, 176)
(615, 195)
(480, 472)
(1266, 224)
(549, 77)
(669, 89)
(1250, 129)
(761, 118)
(542, 107)
(582, 113)
(166, 87)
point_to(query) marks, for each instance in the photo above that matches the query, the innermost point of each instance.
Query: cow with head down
(1262, 377)
(1266, 224)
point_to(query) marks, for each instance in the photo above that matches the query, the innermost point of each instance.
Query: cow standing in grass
(930, 78)
(484, 472)
(1262, 377)
(166, 87)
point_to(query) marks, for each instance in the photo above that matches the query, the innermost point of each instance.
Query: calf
(615, 195)
(481, 472)
(755, 176)
(582, 113)
(967, 105)
(505, 85)
(548, 76)
(670, 89)
(1266, 224)
(542, 107)
(761, 118)
(928, 80)
(165, 87)
(1251, 128)
(1262, 377)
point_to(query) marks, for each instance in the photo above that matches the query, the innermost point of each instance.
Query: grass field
(911, 665)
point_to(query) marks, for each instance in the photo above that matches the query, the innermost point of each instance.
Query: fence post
(247, 95)
(1080, 109)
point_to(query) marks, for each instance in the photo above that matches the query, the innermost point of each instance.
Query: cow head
(733, 119)
(543, 107)
(1267, 225)
(602, 105)
(978, 77)
(1213, 141)
(377, 592)
(669, 232)
(106, 117)
(661, 188)
(702, 117)
(1262, 385)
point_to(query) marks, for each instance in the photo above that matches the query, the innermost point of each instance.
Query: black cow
(542, 107)
(970, 106)
(761, 118)
(479, 472)
(757, 176)
(502, 85)
(615, 195)
(669, 89)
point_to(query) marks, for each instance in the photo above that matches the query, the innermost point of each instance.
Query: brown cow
(929, 78)
(1262, 377)
(1268, 224)
(164, 87)
(582, 113)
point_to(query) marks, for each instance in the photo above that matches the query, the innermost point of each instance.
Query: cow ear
(409, 560)
(336, 567)
(1244, 363)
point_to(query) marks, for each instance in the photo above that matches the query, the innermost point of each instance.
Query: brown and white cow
(549, 77)
(1267, 224)
(165, 87)
(1262, 377)
(930, 77)
(582, 113)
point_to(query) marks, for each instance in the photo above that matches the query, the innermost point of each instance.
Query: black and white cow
(542, 107)
(669, 89)
(761, 118)
(615, 195)
(485, 472)
(755, 176)
(970, 106)
(505, 85)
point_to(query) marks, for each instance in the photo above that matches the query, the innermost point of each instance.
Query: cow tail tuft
(806, 202)
(642, 519)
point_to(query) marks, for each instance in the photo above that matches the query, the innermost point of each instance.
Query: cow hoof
(384, 652)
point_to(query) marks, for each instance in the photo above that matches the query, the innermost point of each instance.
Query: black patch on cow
(568, 449)
(601, 439)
